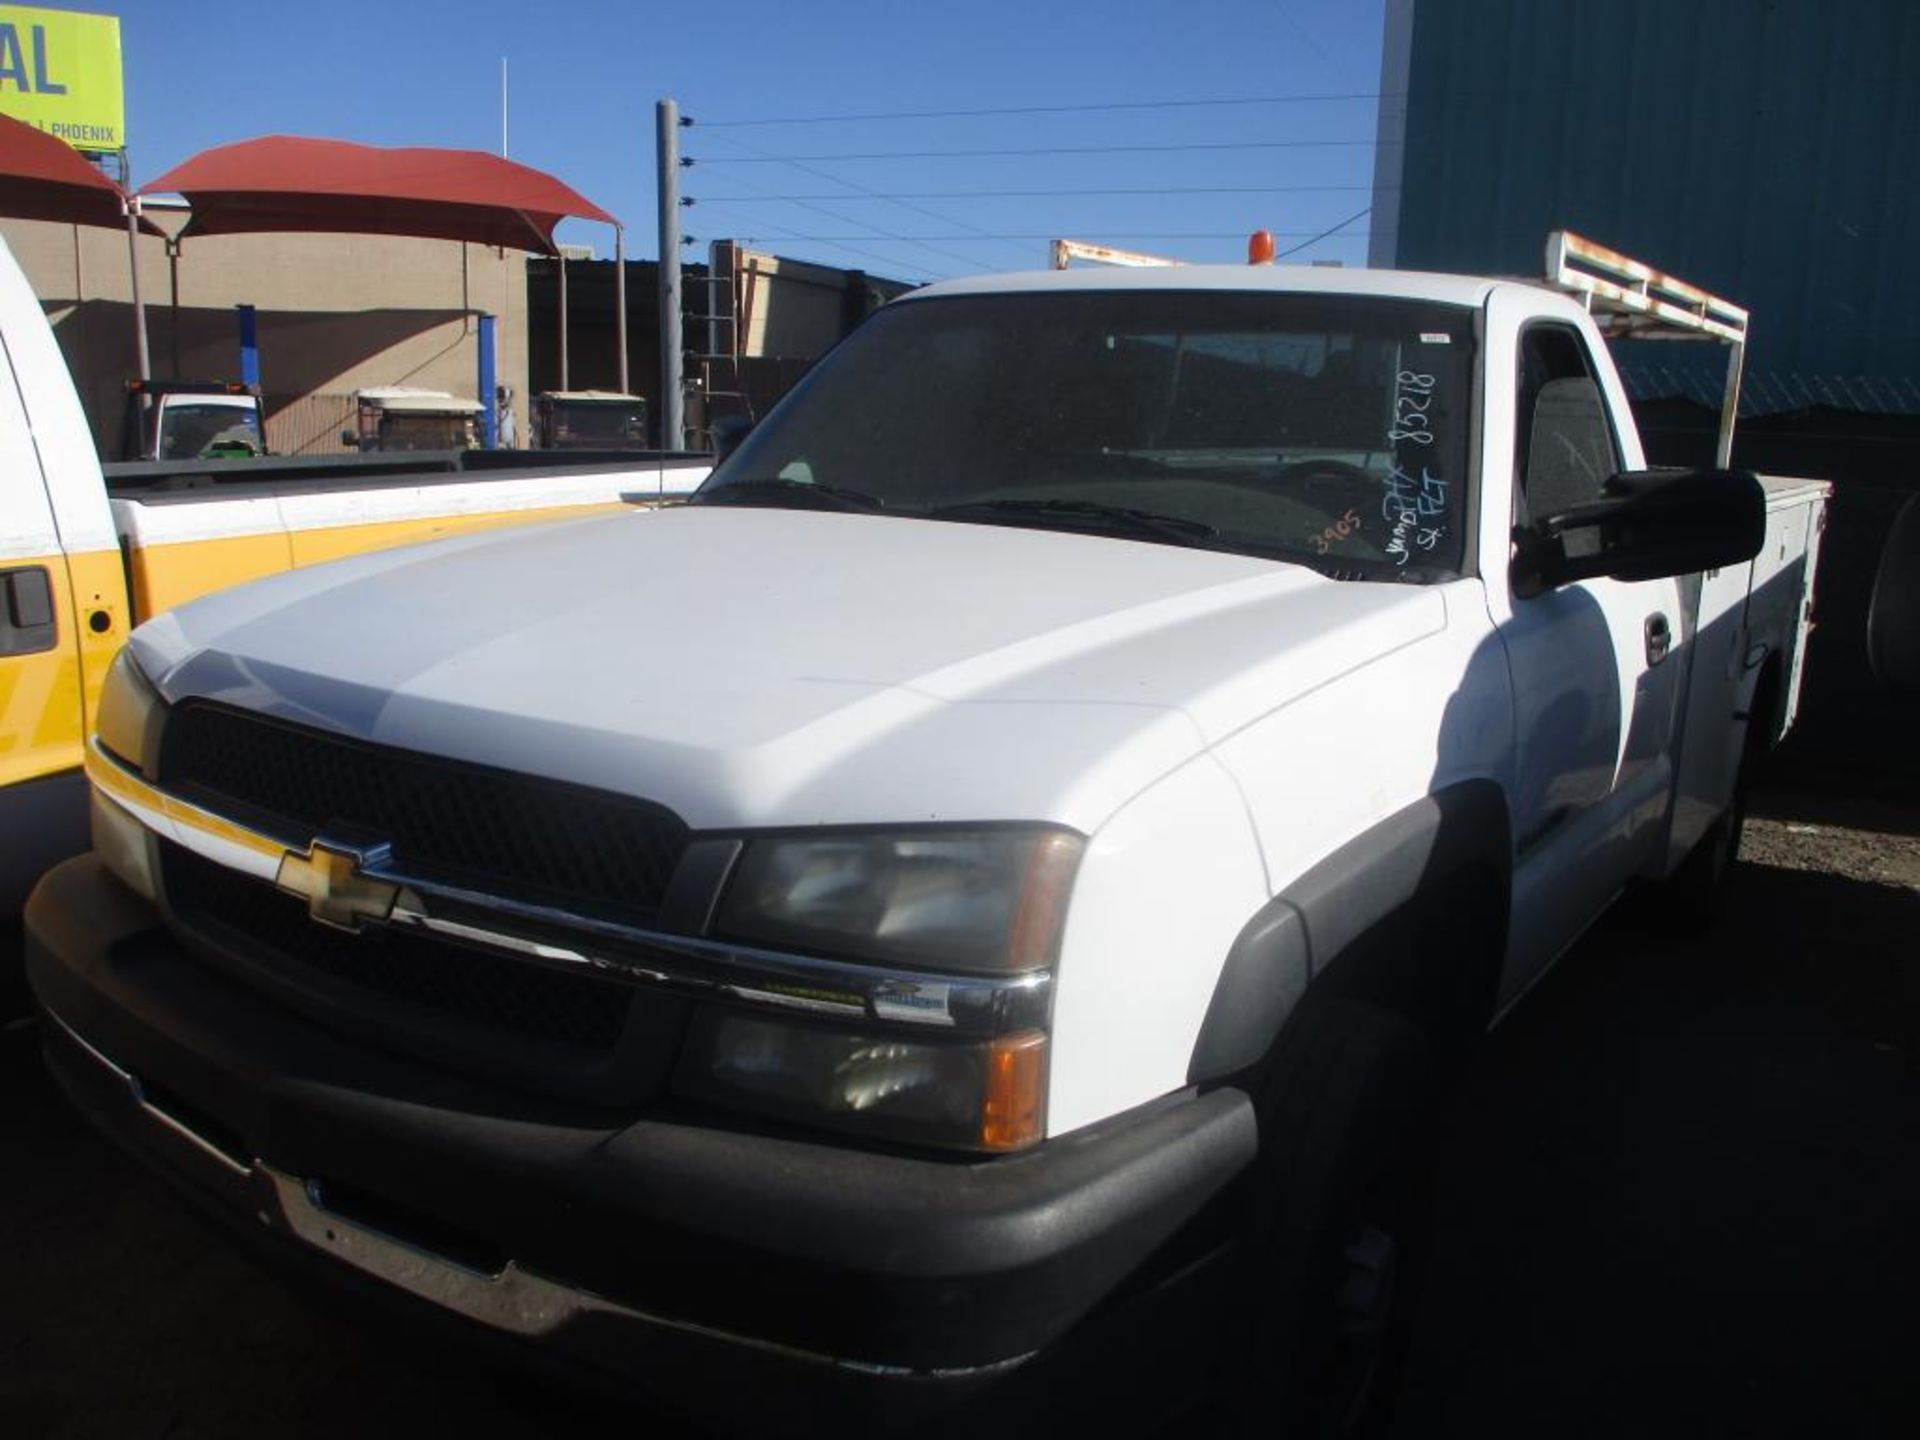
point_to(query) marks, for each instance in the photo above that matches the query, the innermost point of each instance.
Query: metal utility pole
(563, 322)
(619, 300)
(139, 309)
(488, 382)
(672, 399)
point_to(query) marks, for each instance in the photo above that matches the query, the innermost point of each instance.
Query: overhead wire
(837, 180)
(1312, 235)
(1044, 150)
(1324, 234)
(781, 232)
(881, 232)
(1041, 109)
(1068, 194)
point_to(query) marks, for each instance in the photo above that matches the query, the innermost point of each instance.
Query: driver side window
(1564, 447)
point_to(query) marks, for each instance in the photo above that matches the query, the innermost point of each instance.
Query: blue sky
(583, 79)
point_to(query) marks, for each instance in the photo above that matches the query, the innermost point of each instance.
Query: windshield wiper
(1080, 515)
(779, 491)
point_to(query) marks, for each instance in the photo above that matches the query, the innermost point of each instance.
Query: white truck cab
(1092, 763)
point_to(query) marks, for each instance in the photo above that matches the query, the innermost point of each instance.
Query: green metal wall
(1768, 150)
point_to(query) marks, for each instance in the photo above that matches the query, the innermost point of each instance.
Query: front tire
(1337, 1228)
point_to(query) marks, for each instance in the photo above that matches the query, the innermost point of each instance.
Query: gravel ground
(1676, 1200)
(1879, 857)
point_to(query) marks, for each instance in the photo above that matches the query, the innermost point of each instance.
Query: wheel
(1694, 898)
(1337, 1227)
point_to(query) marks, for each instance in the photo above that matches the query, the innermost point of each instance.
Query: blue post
(489, 412)
(249, 346)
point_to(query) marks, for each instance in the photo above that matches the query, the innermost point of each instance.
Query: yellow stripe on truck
(171, 817)
(172, 574)
(101, 620)
(168, 575)
(42, 718)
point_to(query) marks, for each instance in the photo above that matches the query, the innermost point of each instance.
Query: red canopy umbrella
(285, 183)
(42, 178)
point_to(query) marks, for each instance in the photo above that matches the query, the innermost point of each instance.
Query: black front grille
(431, 980)
(488, 830)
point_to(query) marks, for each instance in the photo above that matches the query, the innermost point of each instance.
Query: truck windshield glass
(189, 430)
(1327, 429)
(403, 431)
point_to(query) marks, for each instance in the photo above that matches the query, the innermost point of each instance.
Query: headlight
(980, 901)
(980, 1095)
(131, 713)
(944, 1058)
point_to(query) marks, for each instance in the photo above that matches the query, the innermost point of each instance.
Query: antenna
(503, 107)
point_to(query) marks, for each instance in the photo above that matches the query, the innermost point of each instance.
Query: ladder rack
(1064, 252)
(1632, 301)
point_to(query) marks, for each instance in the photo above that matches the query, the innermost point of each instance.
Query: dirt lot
(1677, 1200)
(1680, 1192)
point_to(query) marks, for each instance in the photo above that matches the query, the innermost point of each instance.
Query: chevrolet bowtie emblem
(329, 879)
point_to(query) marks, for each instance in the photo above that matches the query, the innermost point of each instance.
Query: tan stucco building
(335, 313)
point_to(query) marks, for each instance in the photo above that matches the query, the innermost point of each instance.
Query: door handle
(26, 610)
(1659, 639)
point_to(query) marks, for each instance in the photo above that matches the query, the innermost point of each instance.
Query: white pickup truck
(989, 887)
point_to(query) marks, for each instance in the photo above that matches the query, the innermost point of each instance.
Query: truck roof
(1308, 279)
(408, 397)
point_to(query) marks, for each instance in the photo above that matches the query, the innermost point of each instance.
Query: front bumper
(664, 1248)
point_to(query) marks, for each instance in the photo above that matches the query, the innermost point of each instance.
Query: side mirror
(1893, 614)
(728, 432)
(1650, 524)
(349, 439)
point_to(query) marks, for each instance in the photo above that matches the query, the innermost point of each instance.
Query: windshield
(1329, 429)
(400, 430)
(189, 430)
(590, 423)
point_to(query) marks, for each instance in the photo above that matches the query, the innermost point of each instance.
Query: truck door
(1596, 665)
(42, 718)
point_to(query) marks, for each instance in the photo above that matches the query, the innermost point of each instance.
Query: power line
(880, 232)
(864, 194)
(1311, 235)
(1039, 110)
(1045, 150)
(1332, 230)
(837, 180)
(891, 262)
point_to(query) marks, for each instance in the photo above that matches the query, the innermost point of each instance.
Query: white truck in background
(87, 553)
(1136, 732)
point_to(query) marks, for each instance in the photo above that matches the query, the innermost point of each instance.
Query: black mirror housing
(1650, 525)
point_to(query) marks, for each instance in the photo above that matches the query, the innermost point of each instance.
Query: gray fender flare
(1410, 915)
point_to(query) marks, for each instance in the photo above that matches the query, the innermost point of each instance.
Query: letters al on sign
(60, 72)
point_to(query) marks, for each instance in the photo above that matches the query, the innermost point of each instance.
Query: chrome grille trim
(968, 1005)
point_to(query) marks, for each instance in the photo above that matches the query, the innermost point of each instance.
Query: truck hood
(774, 667)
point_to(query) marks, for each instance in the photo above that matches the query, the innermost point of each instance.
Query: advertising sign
(60, 72)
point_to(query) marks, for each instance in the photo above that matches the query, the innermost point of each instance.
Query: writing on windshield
(1331, 428)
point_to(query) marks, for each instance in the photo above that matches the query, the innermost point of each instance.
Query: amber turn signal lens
(1014, 1114)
